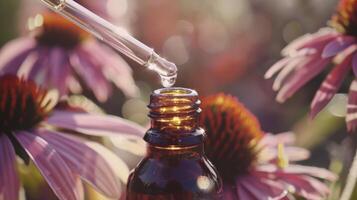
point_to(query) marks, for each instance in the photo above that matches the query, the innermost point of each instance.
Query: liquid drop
(168, 81)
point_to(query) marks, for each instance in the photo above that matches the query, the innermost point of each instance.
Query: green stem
(351, 180)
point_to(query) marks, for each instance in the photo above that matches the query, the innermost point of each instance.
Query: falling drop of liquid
(168, 81)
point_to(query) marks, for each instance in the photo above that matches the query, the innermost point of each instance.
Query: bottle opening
(176, 91)
(174, 114)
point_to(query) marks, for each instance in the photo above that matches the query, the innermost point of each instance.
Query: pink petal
(59, 69)
(40, 66)
(337, 45)
(271, 140)
(315, 40)
(51, 165)
(293, 153)
(113, 67)
(299, 169)
(300, 78)
(244, 193)
(258, 188)
(9, 180)
(351, 117)
(306, 186)
(91, 74)
(96, 125)
(13, 54)
(277, 67)
(330, 86)
(294, 64)
(85, 162)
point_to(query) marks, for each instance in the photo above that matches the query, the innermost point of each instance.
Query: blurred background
(221, 46)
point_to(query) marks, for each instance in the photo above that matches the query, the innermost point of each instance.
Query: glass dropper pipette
(116, 37)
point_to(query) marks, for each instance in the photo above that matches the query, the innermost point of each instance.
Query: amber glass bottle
(175, 167)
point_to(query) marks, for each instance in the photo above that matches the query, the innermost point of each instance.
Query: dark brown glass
(175, 167)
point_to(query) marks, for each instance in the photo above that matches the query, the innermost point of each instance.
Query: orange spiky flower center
(54, 30)
(345, 18)
(23, 105)
(232, 134)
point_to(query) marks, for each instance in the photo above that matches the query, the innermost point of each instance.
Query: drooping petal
(51, 165)
(300, 78)
(337, 45)
(306, 186)
(129, 143)
(97, 125)
(120, 168)
(315, 40)
(14, 53)
(294, 64)
(9, 180)
(28, 64)
(85, 162)
(59, 69)
(292, 153)
(243, 193)
(330, 86)
(91, 74)
(40, 68)
(271, 140)
(298, 169)
(277, 67)
(351, 117)
(113, 67)
(260, 190)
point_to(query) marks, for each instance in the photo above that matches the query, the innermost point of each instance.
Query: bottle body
(180, 175)
(175, 167)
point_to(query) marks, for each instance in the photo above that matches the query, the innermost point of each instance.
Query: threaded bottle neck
(174, 114)
(174, 110)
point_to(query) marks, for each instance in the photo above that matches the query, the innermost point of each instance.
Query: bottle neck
(174, 114)
(175, 151)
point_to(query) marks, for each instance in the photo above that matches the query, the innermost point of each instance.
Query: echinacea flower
(60, 55)
(309, 55)
(254, 165)
(53, 139)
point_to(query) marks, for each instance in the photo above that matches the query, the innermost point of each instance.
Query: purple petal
(85, 162)
(271, 140)
(298, 169)
(330, 86)
(92, 124)
(300, 78)
(316, 40)
(14, 53)
(59, 71)
(91, 74)
(244, 193)
(351, 117)
(40, 67)
(113, 67)
(258, 188)
(294, 65)
(28, 64)
(306, 187)
(337, 45)
(9, 180)
(277, 67)
(293, 153)
(51, 165)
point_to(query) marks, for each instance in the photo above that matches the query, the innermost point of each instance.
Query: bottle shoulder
(195, 175)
